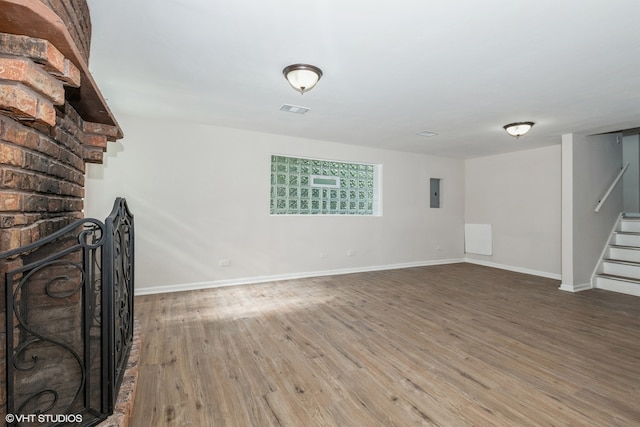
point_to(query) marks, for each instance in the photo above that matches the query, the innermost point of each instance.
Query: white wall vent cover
(477, 239)
(427, 133)
(294, 109)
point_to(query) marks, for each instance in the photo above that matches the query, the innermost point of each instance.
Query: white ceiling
(461, 68)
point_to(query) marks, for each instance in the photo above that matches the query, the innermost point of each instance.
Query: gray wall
(590, 164)
(631, 178)
(201, 194)
(519, 195)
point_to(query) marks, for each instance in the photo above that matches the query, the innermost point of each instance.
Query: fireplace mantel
(34, 19)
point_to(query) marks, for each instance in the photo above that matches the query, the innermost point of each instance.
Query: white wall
(631, 178)
(519, 195)
(201, 193)
(590, 164)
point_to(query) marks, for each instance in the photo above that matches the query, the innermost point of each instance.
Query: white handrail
(613, 184)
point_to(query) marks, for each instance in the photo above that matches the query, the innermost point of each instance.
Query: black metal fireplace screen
(69, 322)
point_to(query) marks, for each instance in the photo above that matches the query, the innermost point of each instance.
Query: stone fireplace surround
(53, 120)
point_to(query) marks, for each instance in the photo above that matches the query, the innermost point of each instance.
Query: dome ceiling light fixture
(302, 77)
(518, 129)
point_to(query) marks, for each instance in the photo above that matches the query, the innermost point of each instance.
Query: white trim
(609, 241)
(302, 275)
(575, 288)
(620, 286)
(377, 186)
(323, 159)
(516, 269)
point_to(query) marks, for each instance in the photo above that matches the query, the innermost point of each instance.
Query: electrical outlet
(324, 255)
(225, 262)
(351, 252)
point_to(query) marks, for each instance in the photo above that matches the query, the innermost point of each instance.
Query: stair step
(631, 225)
(632, 248)
(615, 283)
(621, 268)
(621, 262)
(623, 278)
(623, 253)
(626, 238)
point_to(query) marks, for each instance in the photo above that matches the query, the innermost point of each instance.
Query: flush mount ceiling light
(302, 77)
(518, 129)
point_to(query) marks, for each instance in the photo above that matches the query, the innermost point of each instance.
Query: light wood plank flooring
(451, 345)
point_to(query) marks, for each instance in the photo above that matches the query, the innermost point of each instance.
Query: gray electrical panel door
(434, 194)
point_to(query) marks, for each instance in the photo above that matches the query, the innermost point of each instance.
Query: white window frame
(322, 199)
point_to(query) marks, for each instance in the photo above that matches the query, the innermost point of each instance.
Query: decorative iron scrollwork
(68, 297)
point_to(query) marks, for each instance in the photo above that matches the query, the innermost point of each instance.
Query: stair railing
(611, 187)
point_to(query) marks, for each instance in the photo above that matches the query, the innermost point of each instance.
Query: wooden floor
(450, 345)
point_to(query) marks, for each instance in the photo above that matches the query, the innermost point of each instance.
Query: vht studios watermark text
(43, 418)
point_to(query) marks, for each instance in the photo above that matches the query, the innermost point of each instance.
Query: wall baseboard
(301, 275)
(306, 275)
(515, 269)
(575, 288)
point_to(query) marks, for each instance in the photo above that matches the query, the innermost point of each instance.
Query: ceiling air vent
(294, 109)
(426, 133)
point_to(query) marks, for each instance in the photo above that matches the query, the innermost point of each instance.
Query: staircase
(619, 268)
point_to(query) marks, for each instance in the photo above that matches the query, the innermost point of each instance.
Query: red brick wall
(44, 143)
(41, 179)
(75, 15)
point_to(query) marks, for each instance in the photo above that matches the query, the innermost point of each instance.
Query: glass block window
(302, 186)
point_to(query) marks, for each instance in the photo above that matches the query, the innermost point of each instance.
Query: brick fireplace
(53, 120)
